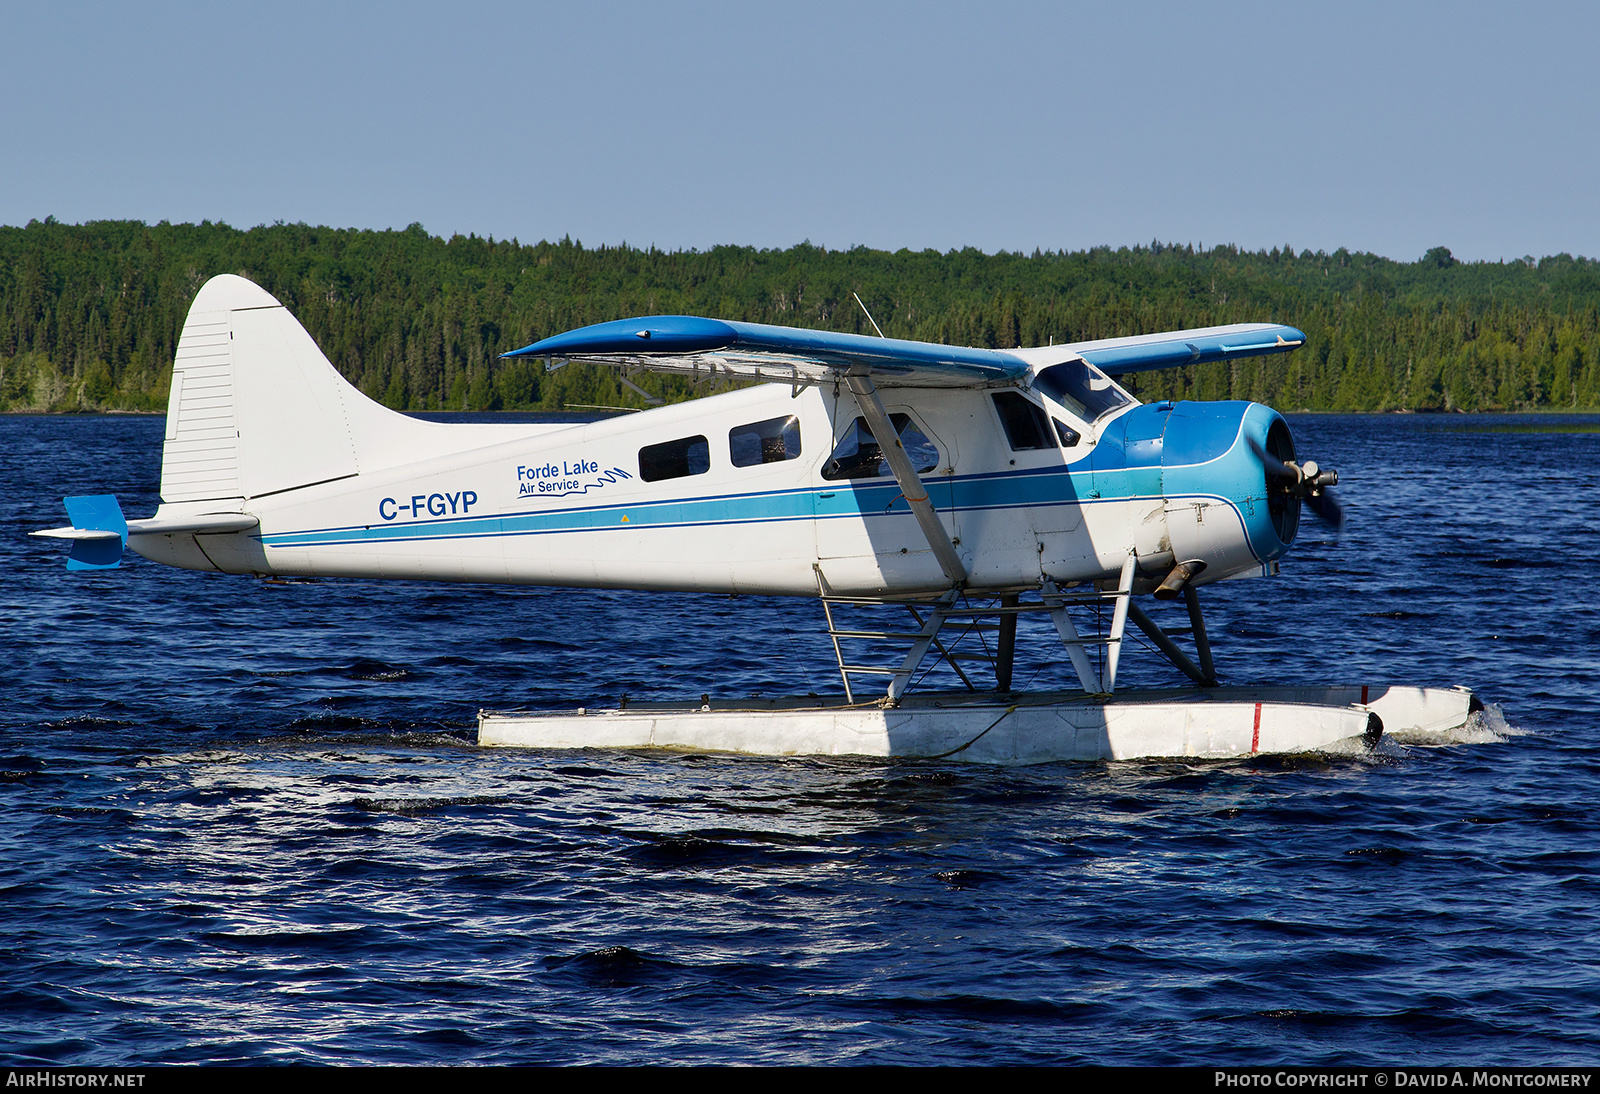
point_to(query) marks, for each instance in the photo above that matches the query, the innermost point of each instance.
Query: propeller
(1305, 481)
(1315, 482)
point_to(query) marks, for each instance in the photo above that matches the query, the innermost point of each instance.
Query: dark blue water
(246, 821)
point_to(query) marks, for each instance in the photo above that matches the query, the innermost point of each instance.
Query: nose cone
(1214, 463)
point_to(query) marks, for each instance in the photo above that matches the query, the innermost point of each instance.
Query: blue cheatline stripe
(576, 511)
(1108, 471)
(987, 492)
(1138, 459)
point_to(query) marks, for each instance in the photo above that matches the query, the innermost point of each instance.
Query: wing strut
(916, 494)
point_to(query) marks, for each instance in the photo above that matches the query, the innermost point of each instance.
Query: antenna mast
(868, 314)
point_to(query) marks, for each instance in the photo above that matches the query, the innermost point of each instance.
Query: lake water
(246, 821)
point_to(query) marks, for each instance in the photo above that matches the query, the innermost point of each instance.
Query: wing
(691, 345)
(1142, 352)
(696, 346)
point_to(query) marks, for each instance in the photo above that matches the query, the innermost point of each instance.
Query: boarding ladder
(942, 624)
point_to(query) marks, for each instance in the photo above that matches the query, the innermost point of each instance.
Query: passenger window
(1068, 435)
(1025, 424)
(674, 459)
(771, 441)
(857, 455)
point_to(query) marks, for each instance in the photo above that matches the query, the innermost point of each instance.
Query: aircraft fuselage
(768, 489)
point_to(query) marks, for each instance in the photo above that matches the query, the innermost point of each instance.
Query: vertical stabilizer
(255, 407)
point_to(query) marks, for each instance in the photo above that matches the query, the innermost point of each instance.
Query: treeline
(90, 314)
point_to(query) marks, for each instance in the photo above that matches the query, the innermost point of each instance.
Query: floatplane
(952, 489)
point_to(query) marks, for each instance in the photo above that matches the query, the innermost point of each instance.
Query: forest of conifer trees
(90, 314)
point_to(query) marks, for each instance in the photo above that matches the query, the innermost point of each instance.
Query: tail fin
(257, 409)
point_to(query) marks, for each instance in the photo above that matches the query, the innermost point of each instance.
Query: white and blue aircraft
(957, 483)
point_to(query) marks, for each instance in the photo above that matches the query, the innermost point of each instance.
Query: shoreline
(590, 415)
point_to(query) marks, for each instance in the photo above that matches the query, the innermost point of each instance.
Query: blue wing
(1143, 352)
(686, 343)
(757, 350)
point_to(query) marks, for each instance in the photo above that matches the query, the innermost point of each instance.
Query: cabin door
(867, 536)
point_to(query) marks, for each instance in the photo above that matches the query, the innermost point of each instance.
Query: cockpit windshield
(1082, 389)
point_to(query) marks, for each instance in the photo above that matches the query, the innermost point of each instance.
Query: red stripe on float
(1255, 734)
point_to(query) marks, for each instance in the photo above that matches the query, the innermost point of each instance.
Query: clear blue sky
(1387, 127)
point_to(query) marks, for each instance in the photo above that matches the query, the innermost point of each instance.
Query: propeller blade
(1325, 506)
(1277, 470)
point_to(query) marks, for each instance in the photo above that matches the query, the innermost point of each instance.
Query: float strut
(1202, 645)
(919, 648)
(1167, 646)
(1119, 622)
(1006, 655)
(1088, 679)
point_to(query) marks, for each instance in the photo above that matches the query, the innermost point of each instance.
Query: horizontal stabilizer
(76, 533)
(758, 351)
(97, 535)
(1143, 352)
(99, 530)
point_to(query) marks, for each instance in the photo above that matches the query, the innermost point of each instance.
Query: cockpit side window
(1082, 389)
(1025, 424)
(857, 455)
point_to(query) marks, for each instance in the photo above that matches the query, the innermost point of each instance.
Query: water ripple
(245, 821)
